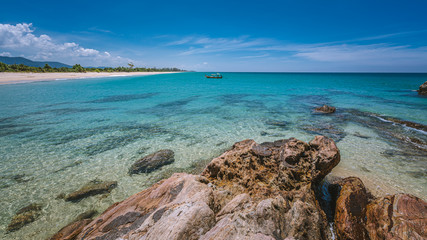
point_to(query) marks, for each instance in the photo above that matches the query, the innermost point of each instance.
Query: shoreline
(26, 77)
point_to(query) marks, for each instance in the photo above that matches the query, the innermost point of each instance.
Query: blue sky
(279, 36)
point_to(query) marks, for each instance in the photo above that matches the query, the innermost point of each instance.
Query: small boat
(214, 76)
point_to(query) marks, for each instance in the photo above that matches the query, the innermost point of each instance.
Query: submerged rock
(423, 89)
(152, 162)
(407, 123)
(24, 216)
(325, 129)
(326, 109)
(275, 123)
(92, 188)
(358, 134)
(21, 178)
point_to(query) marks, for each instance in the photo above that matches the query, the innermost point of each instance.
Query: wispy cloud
(20, 40)
(97, 29)
(379, 54)
(356, 51)
(203, 45)
(255, 56)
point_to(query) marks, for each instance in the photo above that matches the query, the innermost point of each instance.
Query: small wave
(382, 119)
(414, 129)
(401, 124)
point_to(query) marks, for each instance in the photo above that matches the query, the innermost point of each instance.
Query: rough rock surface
(252, 191)
(71, 231)
(359, 216)
(351, 209)
(400, 216)
(326, 109)
(176, 208)
(258, 191)
(92, 188)
(24, 216)
(423, 89)
(152, 162)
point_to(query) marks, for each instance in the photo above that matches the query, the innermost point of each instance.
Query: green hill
(27, 62)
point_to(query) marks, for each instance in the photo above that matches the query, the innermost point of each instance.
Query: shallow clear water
(57, 136)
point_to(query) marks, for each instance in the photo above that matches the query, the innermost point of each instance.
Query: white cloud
(6, 54)
(20, 39)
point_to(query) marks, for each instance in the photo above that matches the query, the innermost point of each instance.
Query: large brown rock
(176, 208)
(265, 190)
(268, 168)
(351, 209)
(257, 191)
(152, 162)
(74, 228)
(399, 216)
(252, 191)
(71, 231)
(423, 89)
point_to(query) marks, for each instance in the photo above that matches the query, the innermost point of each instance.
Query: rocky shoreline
(272, 190)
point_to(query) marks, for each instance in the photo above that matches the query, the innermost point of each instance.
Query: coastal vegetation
(78, 68)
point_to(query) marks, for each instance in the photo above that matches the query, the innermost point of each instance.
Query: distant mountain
(28, 62)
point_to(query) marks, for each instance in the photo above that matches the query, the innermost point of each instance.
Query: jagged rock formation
(257, 191)
(359, 216)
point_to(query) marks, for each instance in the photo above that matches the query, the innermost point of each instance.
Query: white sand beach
(23, 77)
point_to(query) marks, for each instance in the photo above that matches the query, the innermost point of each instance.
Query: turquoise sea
(57, 136)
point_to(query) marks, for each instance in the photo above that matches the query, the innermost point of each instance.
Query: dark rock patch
(152, 162)
(92, 188)
(74, 164)
(279, 124)
(24, 216)
(158, 214)
(124, 98)
(21, 178)
(357, 134)
(328, 130)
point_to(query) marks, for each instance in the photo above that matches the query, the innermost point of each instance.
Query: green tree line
(78, 68)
